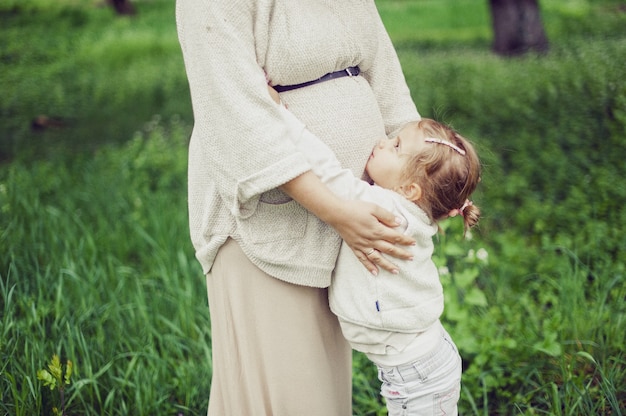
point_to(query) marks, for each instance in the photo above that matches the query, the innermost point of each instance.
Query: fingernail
(374, 272)
(399, 220)
(395, 271)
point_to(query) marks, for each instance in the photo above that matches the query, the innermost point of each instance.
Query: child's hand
(274, 94)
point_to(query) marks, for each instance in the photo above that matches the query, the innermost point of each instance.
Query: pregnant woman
(265, 229)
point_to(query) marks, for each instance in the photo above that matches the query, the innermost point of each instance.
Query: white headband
(446, 143)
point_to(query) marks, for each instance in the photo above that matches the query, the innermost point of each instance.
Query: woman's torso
(297, 42)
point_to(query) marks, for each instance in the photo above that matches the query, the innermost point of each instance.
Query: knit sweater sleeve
(241, 134)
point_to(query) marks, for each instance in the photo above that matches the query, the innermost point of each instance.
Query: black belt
(352, 71)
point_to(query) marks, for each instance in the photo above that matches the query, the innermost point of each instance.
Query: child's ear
(411, 191)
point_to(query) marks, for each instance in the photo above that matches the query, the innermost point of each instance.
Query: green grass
(96, 264)
(428, 21)
(94, 273)
(103, 76)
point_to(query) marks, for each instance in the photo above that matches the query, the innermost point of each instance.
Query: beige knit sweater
(240, 149)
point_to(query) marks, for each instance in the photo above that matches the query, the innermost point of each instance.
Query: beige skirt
(277, 348)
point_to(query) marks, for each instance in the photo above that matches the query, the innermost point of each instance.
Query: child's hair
(447, 170)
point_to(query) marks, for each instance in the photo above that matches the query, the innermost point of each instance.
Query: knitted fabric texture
(240, 150)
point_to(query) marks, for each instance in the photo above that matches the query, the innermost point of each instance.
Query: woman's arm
(237, 128)
(362, 225)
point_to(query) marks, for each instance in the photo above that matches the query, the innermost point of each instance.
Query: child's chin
(366, 177)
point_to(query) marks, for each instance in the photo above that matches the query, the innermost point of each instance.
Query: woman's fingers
(371, 267)
(376, 258)
(364, 227)
(391, 221)
(399, 251)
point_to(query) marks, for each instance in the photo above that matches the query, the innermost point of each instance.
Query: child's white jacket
(371, 307)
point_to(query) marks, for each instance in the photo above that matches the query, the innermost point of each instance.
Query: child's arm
(323, 160)
(274, 94)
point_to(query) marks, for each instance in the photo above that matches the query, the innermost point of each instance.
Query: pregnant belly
(344, 114)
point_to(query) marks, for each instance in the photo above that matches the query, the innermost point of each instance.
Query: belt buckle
(350, 73)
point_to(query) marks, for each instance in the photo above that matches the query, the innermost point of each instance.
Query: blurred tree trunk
(517, 27)
(122, 7)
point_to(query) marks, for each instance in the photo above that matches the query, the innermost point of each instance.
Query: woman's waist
(282, 239)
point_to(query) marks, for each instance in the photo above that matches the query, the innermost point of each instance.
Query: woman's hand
(368, 230)
(363, 226)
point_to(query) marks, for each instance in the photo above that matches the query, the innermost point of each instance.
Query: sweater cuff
(250, 189)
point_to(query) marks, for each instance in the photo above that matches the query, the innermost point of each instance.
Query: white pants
(425, 387)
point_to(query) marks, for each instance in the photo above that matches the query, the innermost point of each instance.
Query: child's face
(389, 156)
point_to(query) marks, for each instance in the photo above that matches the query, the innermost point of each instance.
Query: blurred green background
(95, 260)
